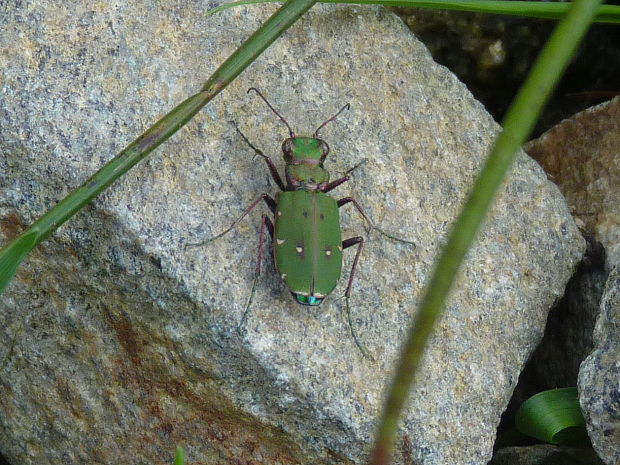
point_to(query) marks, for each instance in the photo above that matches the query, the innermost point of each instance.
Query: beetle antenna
(316, 133)
(273, 109)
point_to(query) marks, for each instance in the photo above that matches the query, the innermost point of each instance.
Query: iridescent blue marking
(308, 299)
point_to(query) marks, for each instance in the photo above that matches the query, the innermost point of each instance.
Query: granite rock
(117, 342)
(599, 377)
(582, 154)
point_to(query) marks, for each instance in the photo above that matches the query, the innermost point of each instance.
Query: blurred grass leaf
(517, 125)
(179, 456)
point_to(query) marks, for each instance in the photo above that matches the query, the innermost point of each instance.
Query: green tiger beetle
(306, 236)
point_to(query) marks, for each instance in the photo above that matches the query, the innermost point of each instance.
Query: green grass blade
(12, 255)
(518, 124)
(553, 416)
(179, 456)
(532, 9)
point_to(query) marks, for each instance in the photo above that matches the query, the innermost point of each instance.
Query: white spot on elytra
(299, 249)
(279, 213)
(328, 252)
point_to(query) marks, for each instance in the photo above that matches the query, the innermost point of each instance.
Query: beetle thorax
(304, 163)
(305, 176)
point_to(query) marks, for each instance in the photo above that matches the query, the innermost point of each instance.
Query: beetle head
(310, 150)
(304, 156)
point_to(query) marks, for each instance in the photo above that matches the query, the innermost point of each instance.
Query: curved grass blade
(12, 255)
(517, 125)
(531, 9)
(553, 416)
(179, 456)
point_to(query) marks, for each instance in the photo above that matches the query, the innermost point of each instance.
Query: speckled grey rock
(599, 377)
(583, 156)
(117, 343)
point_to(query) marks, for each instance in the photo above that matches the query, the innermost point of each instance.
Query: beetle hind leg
(265, 224)
(271, 203)
(347, 200)
(359, 241)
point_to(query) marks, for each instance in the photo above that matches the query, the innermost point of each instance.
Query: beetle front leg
(332, 185)
(265, 224)
(271, 203)
(347, 200)
(272, 168)
(359, 241)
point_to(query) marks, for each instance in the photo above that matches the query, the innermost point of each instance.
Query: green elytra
(308, 244)
(307, 239)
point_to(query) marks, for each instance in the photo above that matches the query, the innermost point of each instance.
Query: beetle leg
(272, 168)
(359, 241)
(347, 200)
(271, 203)
(345, 245)
(332, 185)
(265, 223)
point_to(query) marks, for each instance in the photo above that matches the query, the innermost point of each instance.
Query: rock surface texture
(599, 377)
(117, 343)
(583, 155)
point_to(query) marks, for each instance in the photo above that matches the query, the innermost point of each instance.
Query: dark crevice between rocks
(492, 54)
(567, 341)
